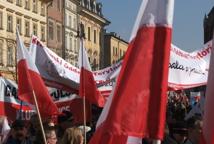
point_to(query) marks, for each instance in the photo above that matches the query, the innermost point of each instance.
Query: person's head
(51, 136)
(19, 130)
(50, 132)
(194, 128)
(34, 123)
(65, 120)
(73, 136)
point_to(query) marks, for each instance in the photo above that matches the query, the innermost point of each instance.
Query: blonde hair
(72, 136)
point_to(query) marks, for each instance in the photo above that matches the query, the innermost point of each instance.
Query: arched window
(10, 55)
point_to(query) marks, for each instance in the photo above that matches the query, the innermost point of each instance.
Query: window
(1, 52)
(95, 36)
(50, 30)
(10, 55)
(19, 2)
(116, 52)
(89, 34)
(66, 42)
(58, 33)
(19, 24)
(94, 64)
(70, 21)
(42, 33)
(1, 20)
(35, 29)
(27, 4)
(9, 23)
(35, 6)
(27, 28)
(74, 23)
(71, 47)
(10, 1)
(58, 5)
(43, 9)
(75, 46)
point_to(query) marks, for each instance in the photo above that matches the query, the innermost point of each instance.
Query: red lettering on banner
(107, 71)
(34, 40)
(56, 59)
(205, 52)
(73, 69)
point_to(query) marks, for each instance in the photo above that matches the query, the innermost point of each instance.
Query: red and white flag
(208, 125)
(88, 86)
(138, 105)
(29, 80)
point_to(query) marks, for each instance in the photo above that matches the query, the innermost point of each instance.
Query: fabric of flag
(29, 81)
(138, 105)
(208, 125)
(88, 86)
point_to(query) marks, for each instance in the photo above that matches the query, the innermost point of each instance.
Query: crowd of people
(178, 130)
(29, 132)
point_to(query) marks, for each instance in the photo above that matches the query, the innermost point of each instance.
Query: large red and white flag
(208, 125)
(88, 86)
(29, 81)
(138, 105)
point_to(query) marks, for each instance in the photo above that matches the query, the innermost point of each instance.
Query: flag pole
(39, 116)
(81, 35)
(16, 78)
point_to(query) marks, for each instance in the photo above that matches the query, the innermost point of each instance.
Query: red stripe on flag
(89, 89)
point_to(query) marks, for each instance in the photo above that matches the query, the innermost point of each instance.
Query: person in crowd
(50, 133)
(177, 134)
(194, 130)
(64, 121)
(34, 127)
(73, 136)
(18, 134)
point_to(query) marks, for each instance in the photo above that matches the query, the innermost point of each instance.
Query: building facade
(90, 15)
(70, 51)
(54, 26)
(208, 26)
(115, 48)
(29, 16)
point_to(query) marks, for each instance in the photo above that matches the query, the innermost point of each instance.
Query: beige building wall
(94, 22)
(30, 17)
(71, 40)
(115, 48)
(92, 40)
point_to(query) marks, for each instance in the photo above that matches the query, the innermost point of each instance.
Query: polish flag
(30, 81)
(88, 86)
(208, 125)
(138, 106)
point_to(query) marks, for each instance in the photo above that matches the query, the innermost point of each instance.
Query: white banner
(186, 70)
(9, 102)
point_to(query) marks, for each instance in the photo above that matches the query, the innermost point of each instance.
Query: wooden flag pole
(39, 116)
(84, 107)
(81, 35)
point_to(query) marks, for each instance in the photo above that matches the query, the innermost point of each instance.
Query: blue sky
(187, 25)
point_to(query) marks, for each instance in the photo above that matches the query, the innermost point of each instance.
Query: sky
(187, 23)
